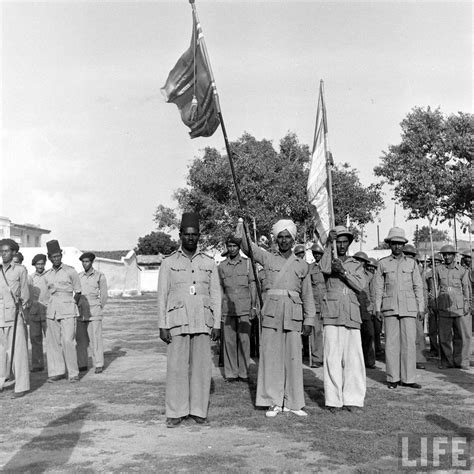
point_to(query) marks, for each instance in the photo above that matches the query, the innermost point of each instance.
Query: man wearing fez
(89, 324)
(344, 370)
(318, 285)
(64, 287)
(239, 307)
(14, 293)
(189, 310)
(399, 298)
(288, 312)
(39, 297)
(454, 311)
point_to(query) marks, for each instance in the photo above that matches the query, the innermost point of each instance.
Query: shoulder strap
(8, 286)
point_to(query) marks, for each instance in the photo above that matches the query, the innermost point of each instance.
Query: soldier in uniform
(239, 302)
(13, 291)
(367, 313)
(453, 306)
(288, 312)
(300, 251)
(432, 305)
(64, 287)
(411, 252)
(189, 310)
(318, 285)
(399, 298)
(18, 258)
(466, 262)
(38, 304)
(89, 324)
(344, 370)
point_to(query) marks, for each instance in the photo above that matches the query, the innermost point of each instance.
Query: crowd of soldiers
(57, 306)
(340, 304)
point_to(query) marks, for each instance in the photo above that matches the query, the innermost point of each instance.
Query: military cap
(410, 250)
(447, 249)
(11, 243)
(465, 253)
(37, 258)
(53, 247)
(361, 256)
(315, 248)
(189, 219)
(299, 249)
(438, 257)
(396, 234)
(89, 255)
(232, 239)
(343, 231)
(19, 256)
(373, 261)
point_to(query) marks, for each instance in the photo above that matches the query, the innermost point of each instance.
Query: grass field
(115, 421)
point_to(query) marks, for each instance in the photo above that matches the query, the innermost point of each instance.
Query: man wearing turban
(288, 312)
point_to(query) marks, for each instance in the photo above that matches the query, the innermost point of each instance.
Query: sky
(90, 147)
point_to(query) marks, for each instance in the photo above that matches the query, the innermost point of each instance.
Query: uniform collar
(90, 272)
(40, 274)
(198, 252)
(236, 260)
(11, 265)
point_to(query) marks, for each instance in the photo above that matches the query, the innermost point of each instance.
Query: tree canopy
(423, 234)
(430, 168)
(272, 184)
(155, 243)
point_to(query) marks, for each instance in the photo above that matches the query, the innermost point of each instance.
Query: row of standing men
(194, 297)
(60, 306)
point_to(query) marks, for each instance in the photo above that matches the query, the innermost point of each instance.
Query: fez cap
(396, 234)
(361, 256)
(299, 248)
(315, 248)
(344, 231)
(11, 243)
(88, 255)
(410, 249)
(53, 247)
(38, 257)
(189, 219)
(447, 249)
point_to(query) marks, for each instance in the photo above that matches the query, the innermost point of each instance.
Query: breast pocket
(203, 274)
(178, 274)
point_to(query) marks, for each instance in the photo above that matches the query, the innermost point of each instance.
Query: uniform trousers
(61, 347)
(21, 368)
(367, 334)
(433, 331)
(377, 335)
(37, 334)
(236, 346)
(451, 340)
(317, 340)
(188, 375)
(400, 348)
(420, 340)
(280, 369)
(89, 333)
(466, 328)
(344, 370)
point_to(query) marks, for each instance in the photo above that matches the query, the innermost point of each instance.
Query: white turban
(284, 224)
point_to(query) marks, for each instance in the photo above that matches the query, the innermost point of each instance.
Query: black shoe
(98, 370)
(333, 409)
(55, 378)
(351, 408)
(370, 366)
(19, 394)
(173, 422)
(82, 369)
(74, 379)
(231, 379)
(198, 419)
(392, 384)
(243, 379)
(419, 365)
(37, 369)
(410, 385)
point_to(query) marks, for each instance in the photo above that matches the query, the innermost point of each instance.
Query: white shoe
(273, 411)
(299, 412)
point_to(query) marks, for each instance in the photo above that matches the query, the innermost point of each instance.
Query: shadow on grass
(447, 425)
(457, 377)
(53, 447)
(110, 356)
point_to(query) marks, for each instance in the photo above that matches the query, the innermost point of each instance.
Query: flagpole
(229, 153)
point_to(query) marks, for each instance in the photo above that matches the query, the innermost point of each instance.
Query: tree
(273, 185)
(430, 168)
(423, 235)
(155, 243)
(165, 218)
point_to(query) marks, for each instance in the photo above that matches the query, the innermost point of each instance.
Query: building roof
(110, 254)
(147, 260)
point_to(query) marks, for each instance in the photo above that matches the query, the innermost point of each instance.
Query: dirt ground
(115, 421)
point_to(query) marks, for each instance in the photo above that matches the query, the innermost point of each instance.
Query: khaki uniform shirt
(453, 284)
(318, 284)
(17, 278)
(398, 287)
(62, 284)
(289, 301)
(189, 294)
(340, 305)
(39, 296)
(93, 296)
(366, 298)
(236, 278)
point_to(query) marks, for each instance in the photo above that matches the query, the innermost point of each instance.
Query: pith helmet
(315, 248)
(410, 249)
(396, 234)
(373, 261)
(447, 249)
(438, 257)
(361, 256)
(341, 230)
(465, 253)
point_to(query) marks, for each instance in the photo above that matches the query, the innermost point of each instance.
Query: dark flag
(191, 88)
